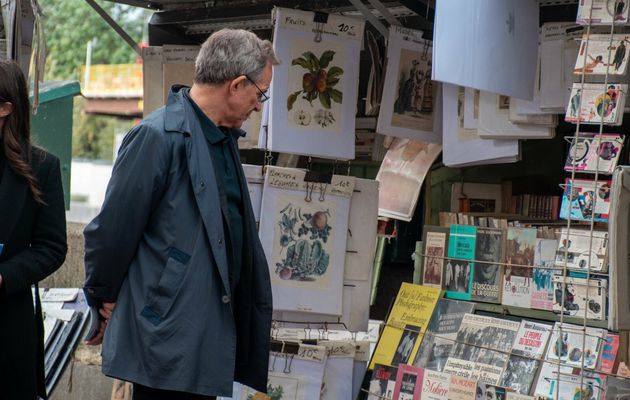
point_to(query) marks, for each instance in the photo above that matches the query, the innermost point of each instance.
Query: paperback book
(590, 153)
(584, 200)
(571, 344)
(383, 382)
(544, 269)
(609, 353)
(529, 346)
(593, 103)
(435, 250)
(487, 274)
(408, 383)
(441, 333)
(485, 341)
(459, 267)
(520, 252)
(602, 54)
(579, 297)
(573, 250)
(490, 392)
(435, 385)
(602, 12)
(566, 383)
(460, 388)
(405, 325)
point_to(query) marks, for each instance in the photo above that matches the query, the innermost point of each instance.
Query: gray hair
(229, 53)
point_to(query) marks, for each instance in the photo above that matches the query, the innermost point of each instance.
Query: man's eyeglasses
(262, 96)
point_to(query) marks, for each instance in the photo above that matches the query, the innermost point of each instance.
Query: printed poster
(303, 230)
(410, 103)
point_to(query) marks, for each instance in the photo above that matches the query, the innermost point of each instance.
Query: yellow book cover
(406, 325)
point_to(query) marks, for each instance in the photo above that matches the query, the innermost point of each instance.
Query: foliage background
(69, 26)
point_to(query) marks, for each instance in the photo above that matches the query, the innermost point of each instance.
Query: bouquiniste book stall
(505, 306)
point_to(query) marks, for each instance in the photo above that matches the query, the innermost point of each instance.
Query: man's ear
(5, 109)
(236, 83)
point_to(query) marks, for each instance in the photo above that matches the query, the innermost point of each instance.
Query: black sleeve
(48, 240)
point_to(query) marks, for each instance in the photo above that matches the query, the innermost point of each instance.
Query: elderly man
(173, 261)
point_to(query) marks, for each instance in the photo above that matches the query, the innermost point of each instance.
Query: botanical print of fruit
(319, 81)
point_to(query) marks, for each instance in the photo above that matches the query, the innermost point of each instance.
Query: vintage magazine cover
(408, 383)
(601, 55)
(487, 275)
(566, 345)
(462, 368)
(576, 246)
(441, 333)
(486, 341)
(490, 392)
(568, 384)
(383, 382)
(542, 289)
(590, 200)
(609, 353)
(530, 344)
(435, 385)
(520, 252)
(458, 270)
(598, 103)
(405, 325)
(594, 153)
(461, 388)
(401, 176)
(581, 297)
(602, 12)
(435, 250)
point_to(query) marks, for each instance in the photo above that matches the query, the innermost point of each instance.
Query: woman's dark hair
(16, 131)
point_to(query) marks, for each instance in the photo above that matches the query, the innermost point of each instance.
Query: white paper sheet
(489, 45)
(464, 147)
(558, 51)
(299, 122)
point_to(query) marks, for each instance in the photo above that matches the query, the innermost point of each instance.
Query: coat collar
(176, 117)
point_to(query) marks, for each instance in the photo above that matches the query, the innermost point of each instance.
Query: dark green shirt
(221, 144)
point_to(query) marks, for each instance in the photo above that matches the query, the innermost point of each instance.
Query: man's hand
(106, 313)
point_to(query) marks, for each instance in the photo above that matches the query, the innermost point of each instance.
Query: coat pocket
(163, 296)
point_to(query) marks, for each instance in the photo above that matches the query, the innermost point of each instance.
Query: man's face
(248, 97)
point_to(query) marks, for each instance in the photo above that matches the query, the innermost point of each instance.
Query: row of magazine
(456, 349)
(65, 315)
(515, 267)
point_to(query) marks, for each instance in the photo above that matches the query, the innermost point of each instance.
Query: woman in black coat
(32, 238)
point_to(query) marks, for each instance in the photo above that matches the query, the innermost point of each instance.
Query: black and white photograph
(486, 275)
(457, 277)
(406, 345)
(519, 374)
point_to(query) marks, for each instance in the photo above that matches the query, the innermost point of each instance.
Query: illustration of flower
(318, 82)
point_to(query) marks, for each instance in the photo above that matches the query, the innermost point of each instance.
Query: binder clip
(320, 19)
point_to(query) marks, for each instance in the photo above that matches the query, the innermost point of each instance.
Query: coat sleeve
(112, 238)
(48, 246)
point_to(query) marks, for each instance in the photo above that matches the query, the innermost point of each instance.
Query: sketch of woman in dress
(406, 90)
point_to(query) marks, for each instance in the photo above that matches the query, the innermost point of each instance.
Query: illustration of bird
(620, 53)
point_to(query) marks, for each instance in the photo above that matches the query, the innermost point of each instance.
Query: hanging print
(304, 231)
(302, 252)
(410, 97)
(315, 88)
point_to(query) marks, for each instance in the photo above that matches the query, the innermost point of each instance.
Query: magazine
(490, 392)
(520, 252)
(602, 12)
(602, 54)
(582, 298)
(594, 153)
(441, 333)
(592, 103)
(609, 353)
(458, 269)
(566, 383)
(542, 288)
(435, 250)
(487, 275)
(573, 250)
(570, 344)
